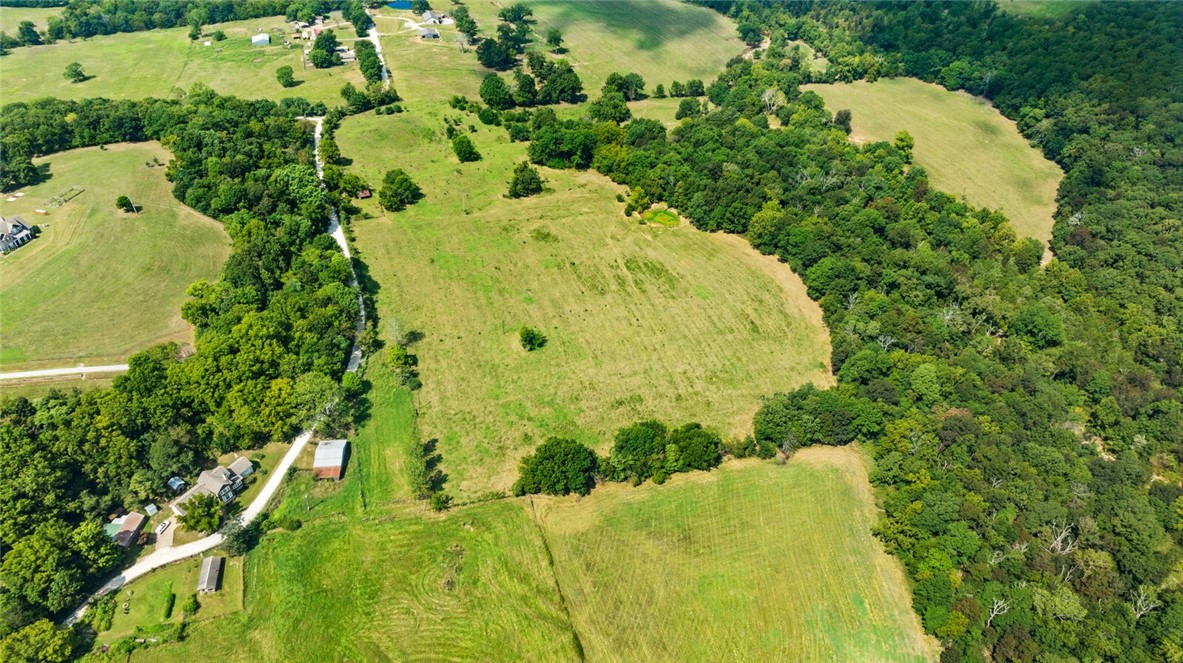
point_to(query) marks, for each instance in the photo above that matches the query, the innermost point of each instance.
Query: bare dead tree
(1068, 572)
(885, 342)
(1062, 541)
(996, 557)
(771, 99)
(1000, 606)
(1143, 602)
(1020, 547)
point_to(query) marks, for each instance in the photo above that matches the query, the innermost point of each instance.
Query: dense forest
(273, 335)
(1026, 420)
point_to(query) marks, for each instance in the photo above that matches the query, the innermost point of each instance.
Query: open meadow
(642, 320)
(100, 284)
(754, 561)
(968, 148)
(163, 63)
(11, 17)
(663, 40)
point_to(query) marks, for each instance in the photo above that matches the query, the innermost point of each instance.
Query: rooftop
(330, 454)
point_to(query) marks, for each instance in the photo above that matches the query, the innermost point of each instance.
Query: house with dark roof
(14, 233)
(429, 33)
(220, 482)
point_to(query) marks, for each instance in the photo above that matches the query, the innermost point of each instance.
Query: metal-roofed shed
(211, 574)
(329, 461)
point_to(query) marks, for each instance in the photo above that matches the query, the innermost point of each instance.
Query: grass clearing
(164, 63)
(662, 40)
(662, 217)
(753, 561)
(469, 585)
(1041, 8)
(11, 17)
(642, 320)
(147, 598)
(98, 284)
(968, 148)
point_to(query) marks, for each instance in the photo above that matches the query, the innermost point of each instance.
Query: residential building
(243, 467)
(14, 232)
(429, 33)
(129, 531)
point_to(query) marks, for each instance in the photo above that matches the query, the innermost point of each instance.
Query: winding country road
(68, 371)
(167, 556)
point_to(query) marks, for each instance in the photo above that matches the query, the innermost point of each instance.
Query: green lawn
(146, 598)
(98, 284)
(968, 148)
(642, 320)
(754, 561)
(162, 63)
(11, 17)
(471, 585)
(1041, 8)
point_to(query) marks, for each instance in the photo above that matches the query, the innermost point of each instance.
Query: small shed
(129, 531)
(211, 574)
(151, 509)
(329, 461)
(176, 484)
(429, 33)
(261, 39)
(242, 466)
(364, 193)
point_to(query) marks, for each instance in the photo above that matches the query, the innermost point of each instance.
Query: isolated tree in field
(195, 32)
(124, 203)
(464, 149)
(203, 513)
(904, 143)
(74, 73)
(515, 13)
(398, 190)
(531, 339)
(526, 181)
(496, 93)
(219, 35)
(554, 39)
(286, 76)
(28, 34)
(659, 91)
(558, 467)
(842, 119)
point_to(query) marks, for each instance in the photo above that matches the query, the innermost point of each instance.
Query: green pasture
(100, 284)
(968, 148)
(164, 63)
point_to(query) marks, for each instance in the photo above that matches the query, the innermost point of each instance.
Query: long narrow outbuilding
(211, 574)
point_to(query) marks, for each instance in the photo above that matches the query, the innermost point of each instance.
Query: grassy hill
(968, 148)
(98, 284)
(642, 321)
(161, 63)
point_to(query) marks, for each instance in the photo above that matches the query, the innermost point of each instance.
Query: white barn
(261, 39)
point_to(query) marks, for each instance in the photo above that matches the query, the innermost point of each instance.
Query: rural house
(14, 232)
(261, 39)
(129, 530)
(433, 17)
(329, 461)
(243, 467)
(429, 33)
(220, 481)
(211, 574)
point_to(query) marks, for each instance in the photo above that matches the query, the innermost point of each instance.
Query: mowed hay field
(98, 284)
(968, 148)
(162, 63)
(642, 321)
(751, 562)
(11, 17)
(470, 585)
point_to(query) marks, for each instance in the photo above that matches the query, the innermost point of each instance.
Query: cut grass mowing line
(98, 285)
(761, 561)
(968, 148)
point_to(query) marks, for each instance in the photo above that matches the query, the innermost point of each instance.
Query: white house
(14, 232)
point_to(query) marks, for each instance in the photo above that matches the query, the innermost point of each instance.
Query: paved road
(57, 372)
(167, 556)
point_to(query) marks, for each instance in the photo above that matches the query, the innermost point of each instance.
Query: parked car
(163, 526)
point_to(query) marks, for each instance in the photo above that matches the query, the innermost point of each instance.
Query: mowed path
(968, 148)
